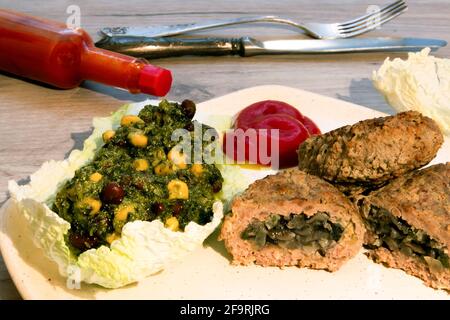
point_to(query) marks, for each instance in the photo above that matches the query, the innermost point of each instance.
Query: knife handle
(152, 48)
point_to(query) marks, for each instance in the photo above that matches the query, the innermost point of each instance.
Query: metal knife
(147, 47)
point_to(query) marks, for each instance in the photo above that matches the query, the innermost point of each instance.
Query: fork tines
(373, 19)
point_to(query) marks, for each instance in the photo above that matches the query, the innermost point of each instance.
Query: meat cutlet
(368, 154)
(292, 219)
(408, 224)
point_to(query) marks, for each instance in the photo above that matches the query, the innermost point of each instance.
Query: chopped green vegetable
(396, 234)
(295, 231)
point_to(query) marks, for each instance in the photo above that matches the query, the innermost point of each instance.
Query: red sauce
(50, 52)
(253, 131)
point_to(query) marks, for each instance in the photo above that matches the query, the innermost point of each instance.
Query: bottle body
(50, 52)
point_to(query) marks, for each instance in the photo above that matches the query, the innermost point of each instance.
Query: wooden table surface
(39, 123)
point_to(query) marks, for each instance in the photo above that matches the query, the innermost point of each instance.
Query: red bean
(82, 242)
(112, 193)
(176, 210)
(157, 208)
(217, 186)
(189, 108)
(189, 126)
(139, 185)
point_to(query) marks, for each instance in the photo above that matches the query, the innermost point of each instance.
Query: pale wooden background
(38, 123)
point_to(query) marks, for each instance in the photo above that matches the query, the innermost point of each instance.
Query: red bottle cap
(155, 81)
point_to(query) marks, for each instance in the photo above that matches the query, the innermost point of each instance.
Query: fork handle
(176, 29)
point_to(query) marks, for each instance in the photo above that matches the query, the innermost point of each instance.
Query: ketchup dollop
(253, 128)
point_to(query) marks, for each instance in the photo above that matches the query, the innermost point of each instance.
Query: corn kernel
(172, 224)
(138, 140)
(111, 237)
(108, 135)
(178, 158)
(95, 177)
(123, 212)
(140, 164)
(160, 154)
(159, 169)
(129, 120)
(197, 169)
(94, 204)
(178, 190)
(163, 169)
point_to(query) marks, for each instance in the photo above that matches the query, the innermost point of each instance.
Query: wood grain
(39, 123)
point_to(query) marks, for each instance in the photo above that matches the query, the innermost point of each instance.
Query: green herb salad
(130, 203)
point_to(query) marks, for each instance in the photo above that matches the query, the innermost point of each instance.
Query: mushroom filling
(396, 234)
(295, 231)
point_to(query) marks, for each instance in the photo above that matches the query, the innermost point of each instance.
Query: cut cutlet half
(408, 224)
(293, 219)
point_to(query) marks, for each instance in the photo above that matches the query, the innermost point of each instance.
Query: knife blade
(147, 47)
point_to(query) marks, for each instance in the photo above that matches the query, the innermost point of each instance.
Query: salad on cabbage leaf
(130, 249)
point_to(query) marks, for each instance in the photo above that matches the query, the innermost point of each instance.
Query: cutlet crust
(371, 152)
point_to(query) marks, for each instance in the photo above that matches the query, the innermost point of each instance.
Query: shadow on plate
(218, 246)
(119, 94)
(78, 141)
(358, 91)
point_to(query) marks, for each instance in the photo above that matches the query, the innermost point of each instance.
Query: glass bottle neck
(123, 71)
(111, 68)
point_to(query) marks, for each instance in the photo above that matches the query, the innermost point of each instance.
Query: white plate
(207, 273)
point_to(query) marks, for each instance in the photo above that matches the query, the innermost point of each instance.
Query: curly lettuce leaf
(144, 248)
(420, 83)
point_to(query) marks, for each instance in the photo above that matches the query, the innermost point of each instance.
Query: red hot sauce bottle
(49, 52)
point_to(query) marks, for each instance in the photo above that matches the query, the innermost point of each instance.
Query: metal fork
(346, 29)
